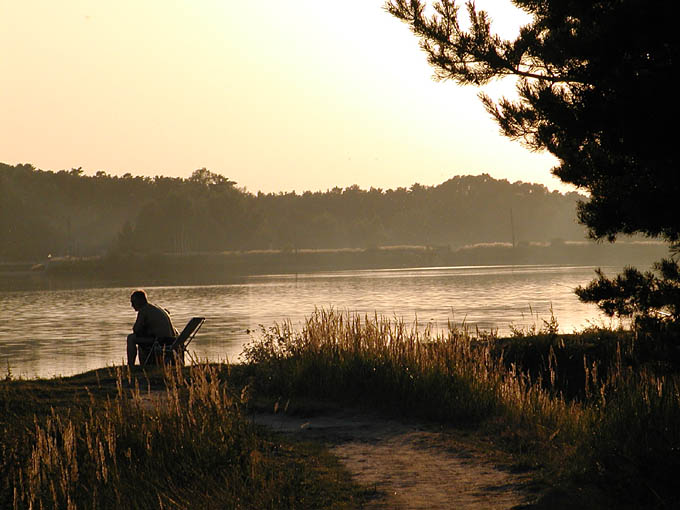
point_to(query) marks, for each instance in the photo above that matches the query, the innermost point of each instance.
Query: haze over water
(64, 332)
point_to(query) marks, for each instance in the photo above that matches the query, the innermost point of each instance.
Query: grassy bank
(578, 407)
(595, 415)
(173, 440)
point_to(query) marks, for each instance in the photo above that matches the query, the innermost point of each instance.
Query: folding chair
(172, 349)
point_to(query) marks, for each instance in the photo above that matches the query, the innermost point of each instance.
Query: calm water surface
(63, 332)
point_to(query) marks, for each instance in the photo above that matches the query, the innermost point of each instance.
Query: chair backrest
(189, 331)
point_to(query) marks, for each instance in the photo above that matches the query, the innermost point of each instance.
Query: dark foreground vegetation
(593, 415)
(177, 439)
(596, 413)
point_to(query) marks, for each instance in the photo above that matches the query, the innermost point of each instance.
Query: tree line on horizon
(69, 213)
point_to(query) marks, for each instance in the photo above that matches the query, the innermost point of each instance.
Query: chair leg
(148, 355)
(158, 354)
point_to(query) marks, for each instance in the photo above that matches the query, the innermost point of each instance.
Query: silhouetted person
(152, 322)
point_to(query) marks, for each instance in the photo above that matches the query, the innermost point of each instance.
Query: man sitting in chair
(152, 322)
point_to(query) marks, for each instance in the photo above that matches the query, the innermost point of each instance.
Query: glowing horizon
(276, 97)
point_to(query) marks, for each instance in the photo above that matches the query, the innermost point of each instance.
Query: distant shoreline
(227, 267)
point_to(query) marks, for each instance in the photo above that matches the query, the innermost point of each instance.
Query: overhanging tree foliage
(650, 298)
(596, 88)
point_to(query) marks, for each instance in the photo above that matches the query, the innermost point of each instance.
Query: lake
(44, 333)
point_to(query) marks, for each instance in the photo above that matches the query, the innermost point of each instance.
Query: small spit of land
(357, 412)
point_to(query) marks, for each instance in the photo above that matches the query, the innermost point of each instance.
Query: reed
(619, 430)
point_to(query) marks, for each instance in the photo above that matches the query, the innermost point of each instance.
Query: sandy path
(415, 467)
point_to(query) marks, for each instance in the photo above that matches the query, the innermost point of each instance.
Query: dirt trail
(416, 467)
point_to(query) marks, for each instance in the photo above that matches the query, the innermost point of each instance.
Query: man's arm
(172, 326)
(139, 325)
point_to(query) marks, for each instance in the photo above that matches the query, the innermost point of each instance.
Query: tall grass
(623, 433)
(635, 440)
(383, 362)
(188, 446)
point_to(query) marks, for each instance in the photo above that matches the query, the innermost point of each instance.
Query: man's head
(138, 299)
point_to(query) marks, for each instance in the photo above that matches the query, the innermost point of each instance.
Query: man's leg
(132, 349)
(132, 342)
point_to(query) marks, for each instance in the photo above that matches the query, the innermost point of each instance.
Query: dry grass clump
(131, 450)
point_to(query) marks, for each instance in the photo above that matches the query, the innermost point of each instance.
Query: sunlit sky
(275, 95)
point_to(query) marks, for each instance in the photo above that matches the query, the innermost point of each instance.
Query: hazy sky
(273, 94)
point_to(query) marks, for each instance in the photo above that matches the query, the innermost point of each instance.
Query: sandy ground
(414, 466)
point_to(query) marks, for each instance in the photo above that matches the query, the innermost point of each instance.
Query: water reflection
(62, 332)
